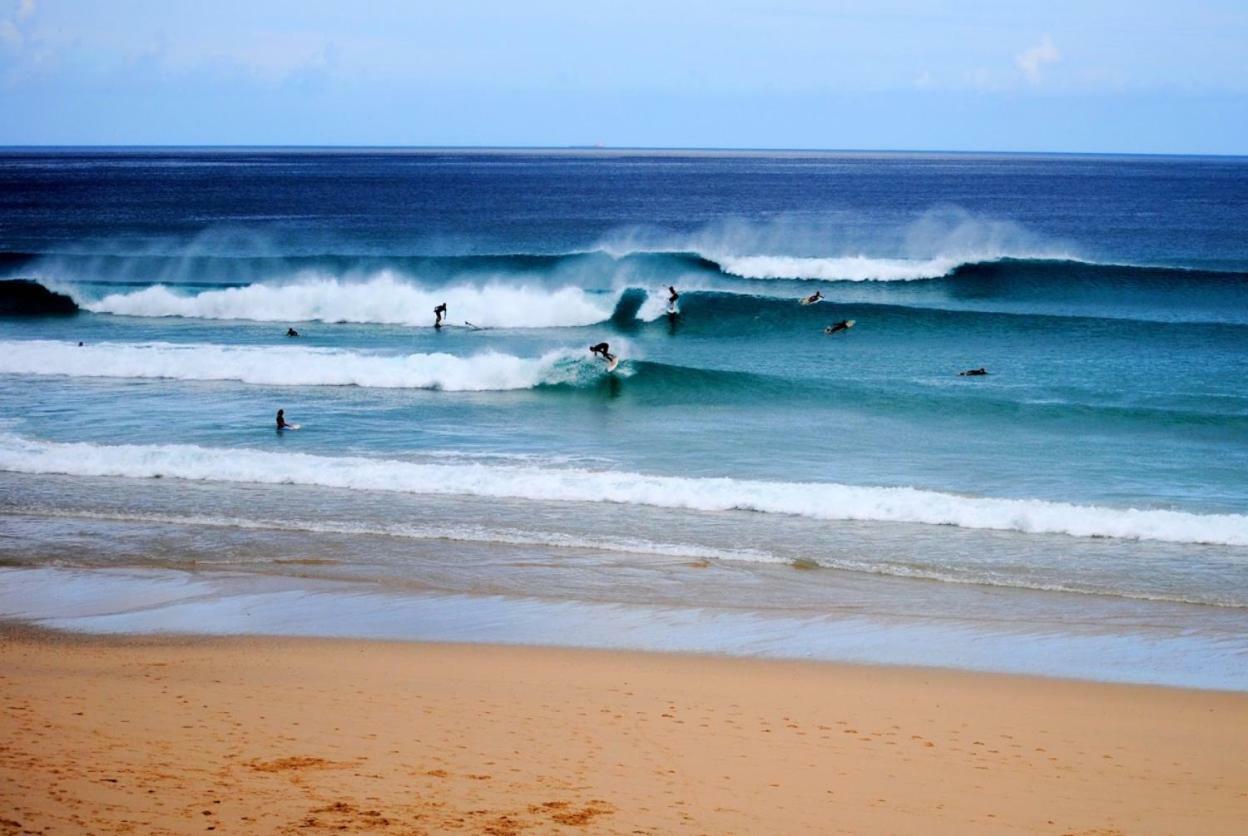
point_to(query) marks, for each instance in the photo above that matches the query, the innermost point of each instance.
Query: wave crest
(821, 501)
(383, 299)
(299, 366)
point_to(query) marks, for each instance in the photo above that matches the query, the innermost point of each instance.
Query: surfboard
(672, 310)
(291, 426)
(468, 324)
(612, 364)
(808, 301)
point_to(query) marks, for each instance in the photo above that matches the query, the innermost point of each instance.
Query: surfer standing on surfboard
(439, 312)
(601, 349)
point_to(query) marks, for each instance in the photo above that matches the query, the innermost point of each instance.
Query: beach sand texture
(256, 735)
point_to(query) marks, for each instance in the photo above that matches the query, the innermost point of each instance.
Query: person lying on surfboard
(980, 372)
(601, 349)
(817, 296)
(281, 420)
(439, 312)
(843, 325)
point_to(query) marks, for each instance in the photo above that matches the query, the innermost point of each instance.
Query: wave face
(814, 500)
(299, 366)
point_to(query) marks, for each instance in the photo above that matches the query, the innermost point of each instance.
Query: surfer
(980, 372)
(672, 296)
(291, 332)
(601, 350)
(817, 296)
(439, 312)
(281, 420)
(843, 325)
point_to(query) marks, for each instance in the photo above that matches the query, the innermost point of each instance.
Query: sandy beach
(256, 735)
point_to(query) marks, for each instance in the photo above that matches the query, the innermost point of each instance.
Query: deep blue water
(1107, 298)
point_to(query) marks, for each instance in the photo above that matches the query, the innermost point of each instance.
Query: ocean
(742, 483)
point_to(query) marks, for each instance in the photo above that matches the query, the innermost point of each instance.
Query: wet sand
(258, 735)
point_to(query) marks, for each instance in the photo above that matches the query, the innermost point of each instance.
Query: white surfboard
(805, 300)
(612, 364)
(291, 427)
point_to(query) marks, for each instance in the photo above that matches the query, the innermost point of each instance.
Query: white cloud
(1031, 60)
(25, 9)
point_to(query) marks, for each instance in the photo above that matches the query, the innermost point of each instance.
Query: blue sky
(889, 74)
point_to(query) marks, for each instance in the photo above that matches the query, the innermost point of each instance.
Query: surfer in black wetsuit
(281, 420)
(980, 372)
(817, 296)
(439, 312)
(672, 297)
(291, 332)
(843, 325)
(601, 349)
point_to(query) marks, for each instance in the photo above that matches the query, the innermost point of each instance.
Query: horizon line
(608, 148)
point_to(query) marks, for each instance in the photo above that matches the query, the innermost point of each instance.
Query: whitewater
(285, 365)
(813, 500)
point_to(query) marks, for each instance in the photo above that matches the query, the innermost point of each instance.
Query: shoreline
(169, 734)
(1124, 644)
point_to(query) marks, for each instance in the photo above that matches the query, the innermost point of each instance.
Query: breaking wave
(384, 299)
(299, 366)
(815, 500)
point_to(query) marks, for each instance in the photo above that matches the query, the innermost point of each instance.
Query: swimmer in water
(439, 312)
(601, 350)
(843, 325)
(281, 420)
(980, 372)
(291, 332)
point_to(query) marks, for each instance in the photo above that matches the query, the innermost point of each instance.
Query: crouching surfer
(439, 314)
(601, 351)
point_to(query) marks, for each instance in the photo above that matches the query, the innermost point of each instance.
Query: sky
(1134, 76)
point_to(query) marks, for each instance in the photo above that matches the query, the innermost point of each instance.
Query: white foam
(383, 298)
(858, 268)
(825, 501)
(297, 365)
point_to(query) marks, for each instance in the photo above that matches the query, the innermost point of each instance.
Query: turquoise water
(1100, 461)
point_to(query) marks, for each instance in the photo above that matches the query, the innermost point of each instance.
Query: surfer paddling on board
(439, 312)
(281, 420)
(817, 296)
(980, 372)
(843, 325)
(291, 332)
